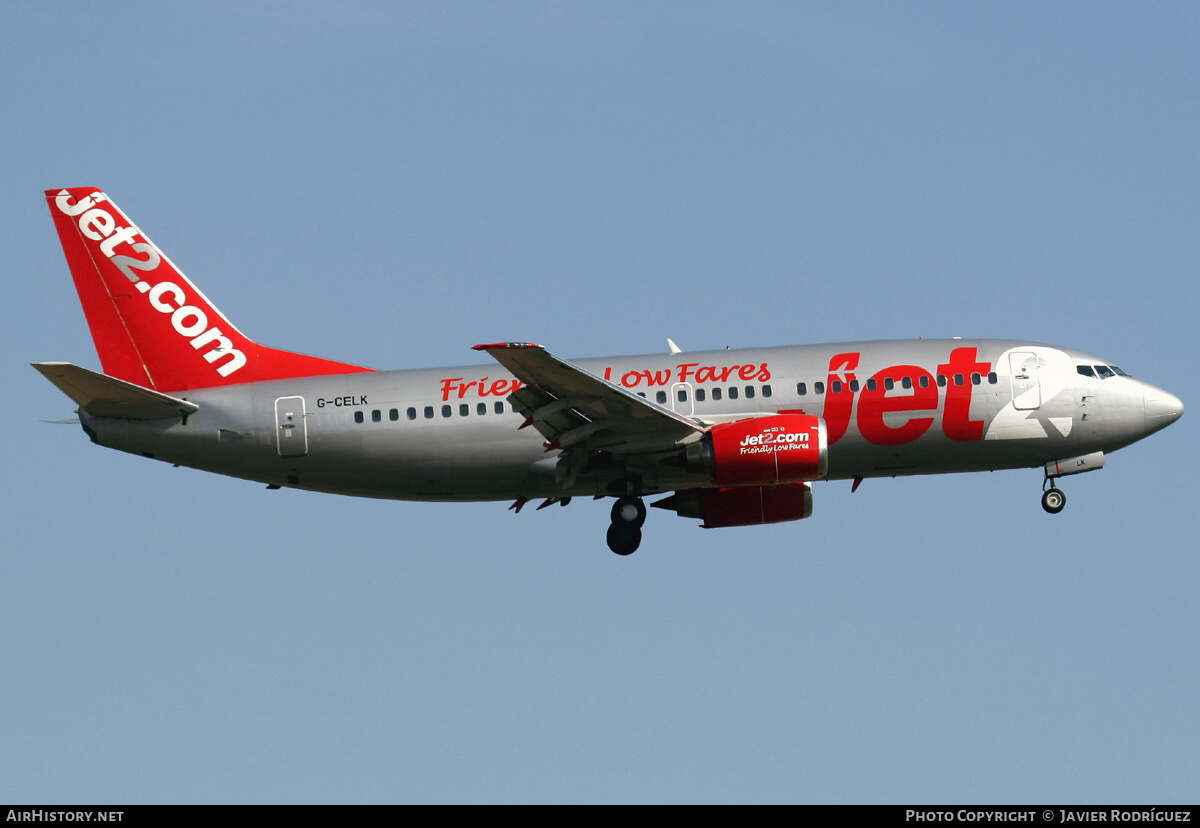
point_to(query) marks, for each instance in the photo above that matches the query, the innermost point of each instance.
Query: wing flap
(104, 396)
(573, 408)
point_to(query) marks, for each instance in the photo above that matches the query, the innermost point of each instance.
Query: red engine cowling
(742, 505)
(763, 451)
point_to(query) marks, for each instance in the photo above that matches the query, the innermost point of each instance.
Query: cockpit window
(1086, 370)
(1104, 372)
(1118, 371)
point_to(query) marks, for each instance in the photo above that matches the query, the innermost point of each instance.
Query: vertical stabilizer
(151, 325)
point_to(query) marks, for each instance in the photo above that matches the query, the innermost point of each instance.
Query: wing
(574, 409)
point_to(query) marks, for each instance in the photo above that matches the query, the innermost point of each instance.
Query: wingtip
(504, 345)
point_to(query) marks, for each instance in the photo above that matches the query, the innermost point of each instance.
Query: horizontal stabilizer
(105, 396)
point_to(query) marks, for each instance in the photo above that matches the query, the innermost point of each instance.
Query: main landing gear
(625, 533)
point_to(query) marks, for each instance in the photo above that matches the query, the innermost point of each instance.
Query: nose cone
(1162, 408)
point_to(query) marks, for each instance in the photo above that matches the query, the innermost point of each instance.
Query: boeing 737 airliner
(732, 437)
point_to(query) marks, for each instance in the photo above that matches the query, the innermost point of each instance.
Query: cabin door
(1026, 386)
(291, 433)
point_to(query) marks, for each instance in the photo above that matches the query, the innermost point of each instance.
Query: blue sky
(390, 183)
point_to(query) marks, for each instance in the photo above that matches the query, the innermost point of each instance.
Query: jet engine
(742, 505)
(762, 451)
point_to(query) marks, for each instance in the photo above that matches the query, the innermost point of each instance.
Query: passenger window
(941, 380)
(766, 390)
(733, 392)
(481, 409)
(464, 410)
(871, 384)
(429, 412)
(716, 393)
(447, 411)
(499, 407)
(819, 387)
(749, 392)
(958, 379)
(681, 395)
(393, 415)
(642, 394)
(661, 396)
(358, 416)
(411, 413)
(854, 385)
(699, 395)
(888, 384)
(906, 382)
(992, 379)
(924, 382)
(801, 389)
(835, 387)
(976, 379)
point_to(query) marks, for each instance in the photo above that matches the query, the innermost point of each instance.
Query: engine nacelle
(763, 451)
(742, 505)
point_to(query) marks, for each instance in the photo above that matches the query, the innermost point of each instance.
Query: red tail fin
(151, 326)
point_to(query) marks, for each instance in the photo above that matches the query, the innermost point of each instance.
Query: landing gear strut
(625, 533)
(1053, 499)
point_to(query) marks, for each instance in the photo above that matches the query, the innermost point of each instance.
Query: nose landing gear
(625, 533)
(1053, 499)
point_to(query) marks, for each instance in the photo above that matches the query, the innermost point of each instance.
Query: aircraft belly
(854, 457)
(425, 464)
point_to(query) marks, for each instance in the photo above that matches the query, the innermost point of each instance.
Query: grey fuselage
(901, 407)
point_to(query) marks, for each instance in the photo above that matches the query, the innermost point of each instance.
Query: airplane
(730, 437)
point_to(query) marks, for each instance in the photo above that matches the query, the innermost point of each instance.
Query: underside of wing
(575, 409)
